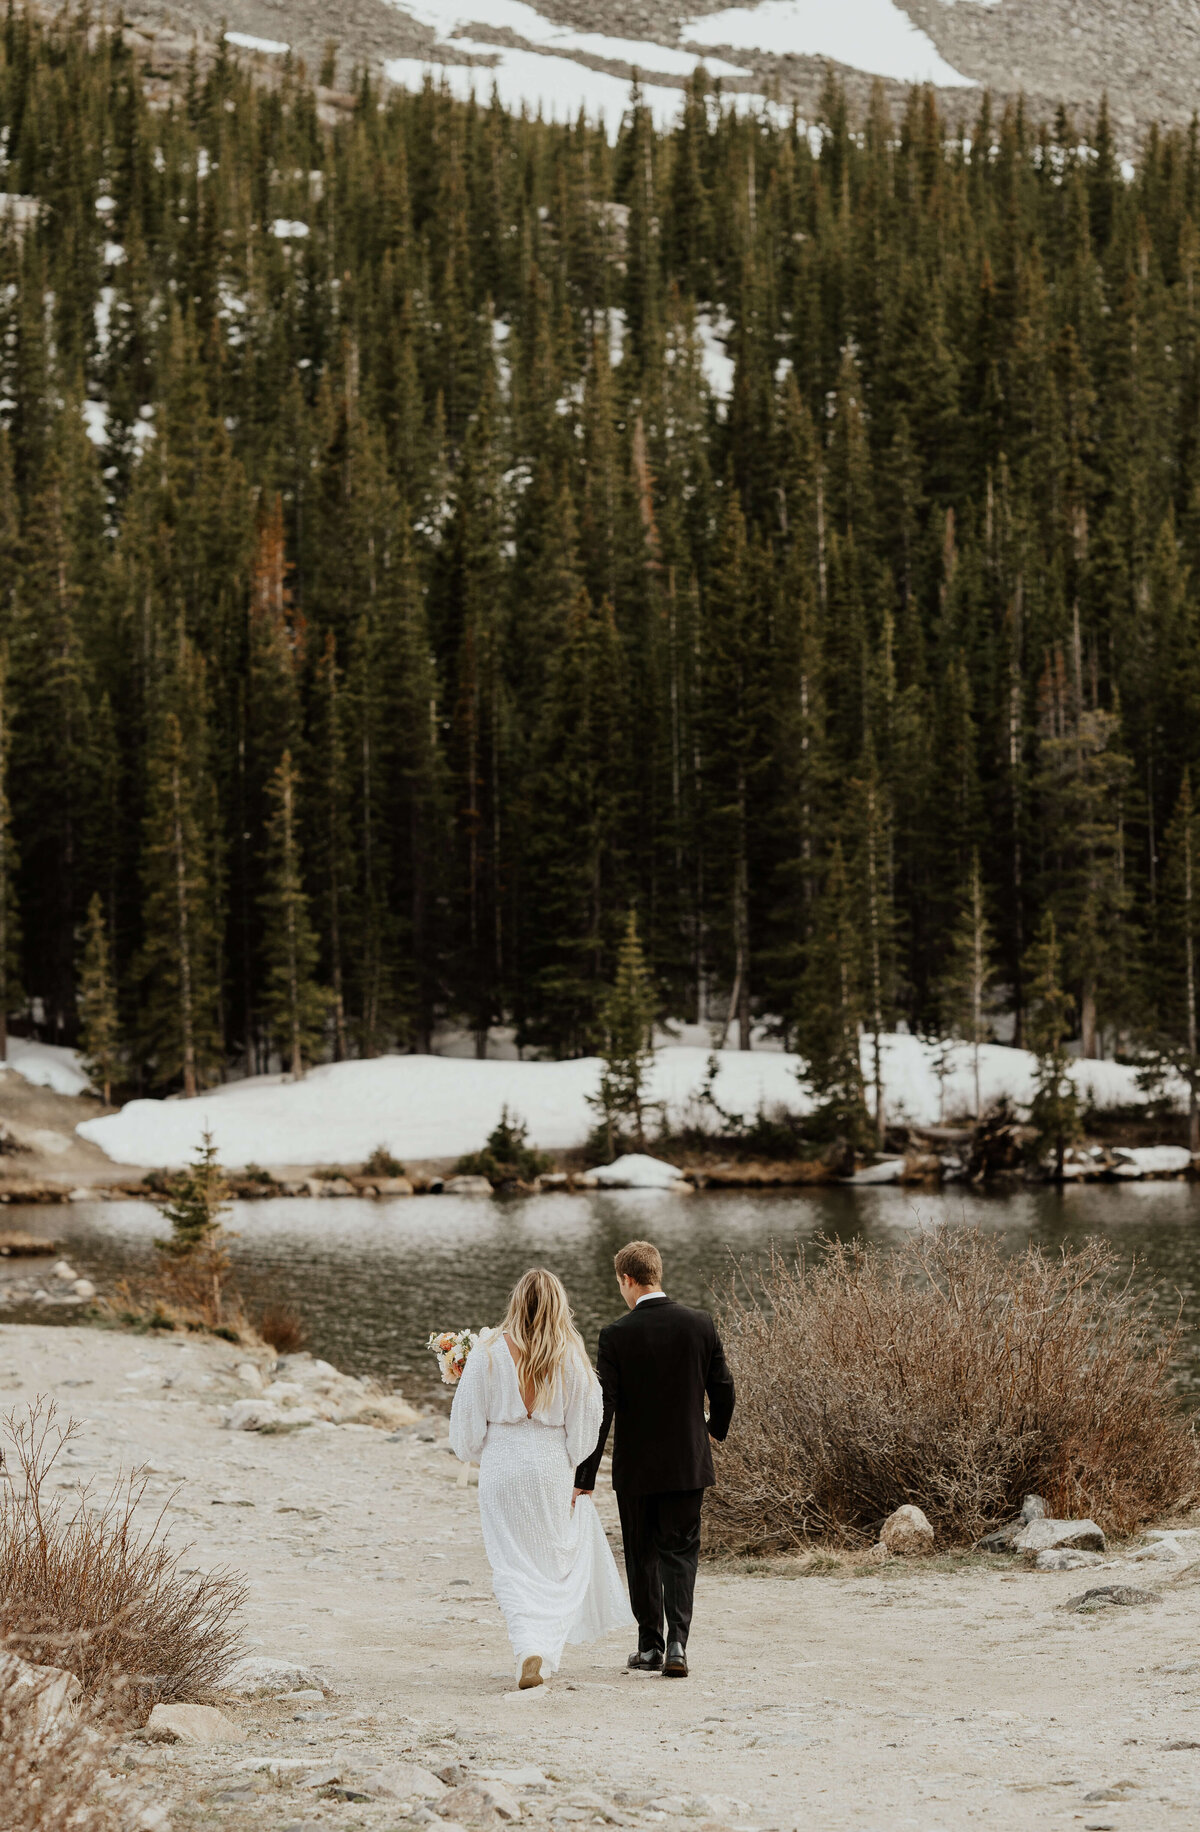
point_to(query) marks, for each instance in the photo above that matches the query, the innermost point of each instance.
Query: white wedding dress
(552, 1571)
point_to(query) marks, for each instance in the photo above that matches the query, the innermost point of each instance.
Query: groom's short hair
(640, 1261)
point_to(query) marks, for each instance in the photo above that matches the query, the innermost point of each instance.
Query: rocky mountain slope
(1143, 54)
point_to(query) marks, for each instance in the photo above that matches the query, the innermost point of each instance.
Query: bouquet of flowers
(452, 1346)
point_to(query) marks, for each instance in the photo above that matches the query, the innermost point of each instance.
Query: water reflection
(371, 1279)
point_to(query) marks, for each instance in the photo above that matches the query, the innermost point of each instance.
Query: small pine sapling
(99, 1024)
(1054, 1109)
(196, 1204)
(628, 1047)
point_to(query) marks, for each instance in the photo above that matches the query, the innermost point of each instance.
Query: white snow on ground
(438, 1107)
(283, 228)
(712, 331)
(554, 86)
(47, 1065)
(246, 41)
(871, 35)
(450, 17)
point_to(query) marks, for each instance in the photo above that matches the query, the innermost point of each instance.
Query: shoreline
(924, 1693)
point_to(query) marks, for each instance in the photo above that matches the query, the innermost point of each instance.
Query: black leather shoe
(646, 1660)
(674, 1664)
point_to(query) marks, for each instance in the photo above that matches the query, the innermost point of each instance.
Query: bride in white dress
(528, 1410)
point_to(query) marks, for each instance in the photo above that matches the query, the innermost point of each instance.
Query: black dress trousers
(661, 1534)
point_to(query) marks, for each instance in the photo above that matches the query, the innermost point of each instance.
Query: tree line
(390, 604)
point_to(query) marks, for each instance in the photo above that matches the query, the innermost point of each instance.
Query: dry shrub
(194, 1292)
(47, 1777)
(282, 1329)
(95, 1575)
(950, 1375)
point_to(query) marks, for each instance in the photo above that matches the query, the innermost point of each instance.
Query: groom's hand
(576, 1493)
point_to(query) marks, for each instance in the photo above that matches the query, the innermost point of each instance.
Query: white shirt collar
(647, 1295)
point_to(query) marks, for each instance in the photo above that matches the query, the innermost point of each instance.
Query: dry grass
(47, 1778)
(281, 1328)
(949, 1375)
(95, 1574)
(194, 1291)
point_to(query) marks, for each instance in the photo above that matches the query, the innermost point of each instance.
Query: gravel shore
(925, 1695)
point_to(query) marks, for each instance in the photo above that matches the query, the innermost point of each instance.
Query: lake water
(371, 1279)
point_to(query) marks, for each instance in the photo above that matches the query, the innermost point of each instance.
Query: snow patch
(285, 229)
(47, 1065)
(451, 18)
(439, 1107)
(638, 1171)
(713, 329)
(246, 41)
(870, 35)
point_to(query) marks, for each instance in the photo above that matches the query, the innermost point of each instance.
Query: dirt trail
(904, 1698)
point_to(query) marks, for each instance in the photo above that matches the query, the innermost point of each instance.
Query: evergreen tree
(196, 1204)
(831, 1013)
(628, 1042)
(294, 1004)
(1172, 1038)
(10, 924)
(177, 967)
(969, 974)
(99, 1023)
(1054, 1109)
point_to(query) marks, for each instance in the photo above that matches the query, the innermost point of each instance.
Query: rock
(83, 1288)
(386, 1412)
(1107, 1595)
(878, 1554)
(1048, 1535)
(154, 1818)
(323, 1777)
(515, 1777)
(195, 1724)
(466, 1186)
(484, 1802)
(263, 1676)
(249, 1375)
(66, 1272)
(393, 1186)
(1003, 1539)
(1033, 1508)
(51, 1693)
(283, 1392)
(251, 1415)
(404, 1781)
(82, 1195)
(1067, 1559)
(907, 1530)
(637, 1170)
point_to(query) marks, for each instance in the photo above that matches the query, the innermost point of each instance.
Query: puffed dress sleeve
(582, 1411)
(469, 1412)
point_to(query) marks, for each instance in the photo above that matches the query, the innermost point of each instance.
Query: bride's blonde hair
(541, 1328)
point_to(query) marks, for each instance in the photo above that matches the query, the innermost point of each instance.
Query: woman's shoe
(531, 1673)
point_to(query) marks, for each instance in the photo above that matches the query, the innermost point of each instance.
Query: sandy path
(904, 1698)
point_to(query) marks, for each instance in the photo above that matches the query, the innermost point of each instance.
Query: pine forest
(431, 535)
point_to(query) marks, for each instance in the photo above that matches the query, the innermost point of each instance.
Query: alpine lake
(371, 1278)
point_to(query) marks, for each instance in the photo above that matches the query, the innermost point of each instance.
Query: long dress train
(554, 1576)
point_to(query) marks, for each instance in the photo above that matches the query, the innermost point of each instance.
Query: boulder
(1065, 1559)
(907, 1530)
(1106, 1596)
(466, 1186)
(194, 1724)
(480, 1802)
(1033, 1508)
(386, 1412)
(251, 1415)
(393, 1186)
(65, 1272)
(262, 1676)
(83, 1288)
(1050, 1535)
(51, 1693)
(404, 1781)
(249, 1375)
(335, 1186)
(1003, 1539)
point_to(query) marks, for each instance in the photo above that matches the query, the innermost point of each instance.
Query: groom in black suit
(656, 1365)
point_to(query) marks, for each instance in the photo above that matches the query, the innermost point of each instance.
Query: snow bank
(638, 1171)
(246, 41)
(871, 35)
(47, 1065)
(438, 1107)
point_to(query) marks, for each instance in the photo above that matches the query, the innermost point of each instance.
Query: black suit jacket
(655, 1365)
